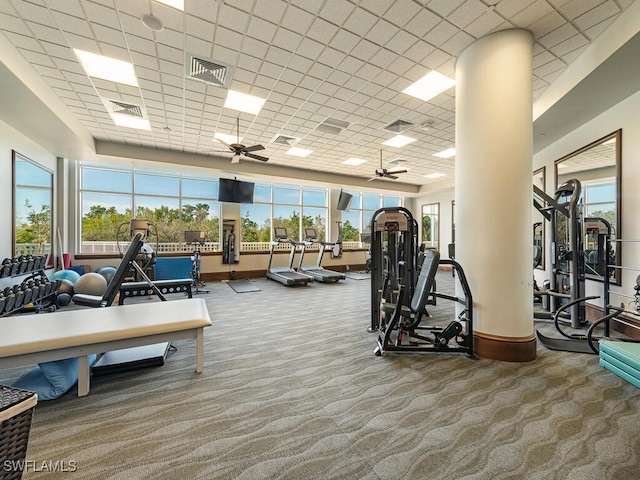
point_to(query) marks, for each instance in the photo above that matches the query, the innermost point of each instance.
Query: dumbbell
(23, 264)
(30, 263)
(2, 302)
(15, 264)
(39, 262)
(6, 267)
(27, 289)
(38, 290)
(10, 299)
(19, 293)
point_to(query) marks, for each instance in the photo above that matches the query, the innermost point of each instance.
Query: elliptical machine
(195, 238)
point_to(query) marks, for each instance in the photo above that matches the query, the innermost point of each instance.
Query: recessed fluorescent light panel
(448, 153)
(243, 102)
(227, 138)
(106, 68)
(435, 175)
(298, 152)
(399, 141)
(177, 4)
(130, 122)
(354, 161)
(432, 84)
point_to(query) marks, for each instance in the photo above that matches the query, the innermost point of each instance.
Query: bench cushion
(72, 328)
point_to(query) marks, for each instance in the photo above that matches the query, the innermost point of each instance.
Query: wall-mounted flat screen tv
(344, 200)
(235, 191)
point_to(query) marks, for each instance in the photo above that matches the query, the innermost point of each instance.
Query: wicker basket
(16, 410)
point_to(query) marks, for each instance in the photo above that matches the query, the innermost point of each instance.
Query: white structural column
(494, 150)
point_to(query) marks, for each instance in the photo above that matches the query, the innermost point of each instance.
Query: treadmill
(285, 275)
(318, 273)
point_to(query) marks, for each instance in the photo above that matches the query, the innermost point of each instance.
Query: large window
(357, 219)
(172, 202)
(175, 202)
(284, 205)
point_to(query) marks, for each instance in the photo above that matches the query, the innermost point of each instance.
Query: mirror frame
(616, 278)
(15, 158)
(542, 171)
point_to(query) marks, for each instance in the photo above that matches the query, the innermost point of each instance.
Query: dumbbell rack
(23, 282)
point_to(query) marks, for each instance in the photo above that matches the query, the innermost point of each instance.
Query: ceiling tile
(297, 20)
(484, 24)
(597, 15)
(336, 11)
(287, 40)
(360, 22)
(381, 32)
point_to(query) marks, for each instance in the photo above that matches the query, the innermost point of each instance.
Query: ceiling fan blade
(235, 158)
(256, 157)
(254, 148)
(373, 178)
(390, 177)
(222, 142)
(397, 170)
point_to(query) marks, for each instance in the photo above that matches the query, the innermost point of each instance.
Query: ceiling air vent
(398, 126)
(208, 71)
(126, 108)
(284, 140)
(332, 125)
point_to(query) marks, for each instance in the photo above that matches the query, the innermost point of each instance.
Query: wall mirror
(539, 178)
(32, 207)
(598, 168)
(431, 225)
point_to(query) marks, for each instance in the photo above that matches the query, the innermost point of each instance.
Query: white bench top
(26, 334)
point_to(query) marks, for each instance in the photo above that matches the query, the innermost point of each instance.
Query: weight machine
(401, 329)
(394, 234)
(564, 212)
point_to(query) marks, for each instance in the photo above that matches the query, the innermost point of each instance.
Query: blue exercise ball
(63, 299)
(91, 284)
(107, 272)
(65, 286)
(70, 275)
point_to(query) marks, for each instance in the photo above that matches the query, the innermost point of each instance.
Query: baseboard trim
(630, 328)
(506, 349)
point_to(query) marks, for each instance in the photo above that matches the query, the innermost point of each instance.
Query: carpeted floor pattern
(292, 390)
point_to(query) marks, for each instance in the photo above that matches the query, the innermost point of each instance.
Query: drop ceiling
(341, 64)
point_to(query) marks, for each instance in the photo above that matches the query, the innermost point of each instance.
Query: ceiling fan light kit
(388, 173)
(239, 150)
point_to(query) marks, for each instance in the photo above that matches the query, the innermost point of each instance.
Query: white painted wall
(444, 198)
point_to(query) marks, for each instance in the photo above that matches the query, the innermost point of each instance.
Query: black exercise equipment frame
(392, 333)
(401, 231)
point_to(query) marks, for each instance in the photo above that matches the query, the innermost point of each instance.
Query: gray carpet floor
(291, 389)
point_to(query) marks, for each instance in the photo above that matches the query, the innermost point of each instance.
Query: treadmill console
(310, 234)
(280, 233)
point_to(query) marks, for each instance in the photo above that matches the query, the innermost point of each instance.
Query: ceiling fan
(240, 150)
(389, 173)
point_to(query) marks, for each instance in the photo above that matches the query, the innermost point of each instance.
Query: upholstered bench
(140, 289)
(82, 333)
